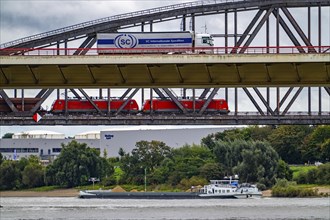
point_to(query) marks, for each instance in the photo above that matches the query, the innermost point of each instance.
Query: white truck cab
(203, 40)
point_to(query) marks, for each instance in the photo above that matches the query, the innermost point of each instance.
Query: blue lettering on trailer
(105, 41)
(166, 41)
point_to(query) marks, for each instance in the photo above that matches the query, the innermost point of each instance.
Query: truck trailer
(154, 42)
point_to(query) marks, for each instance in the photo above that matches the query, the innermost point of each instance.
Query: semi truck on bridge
(154, 42)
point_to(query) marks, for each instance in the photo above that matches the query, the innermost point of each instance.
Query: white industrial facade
(110, 139)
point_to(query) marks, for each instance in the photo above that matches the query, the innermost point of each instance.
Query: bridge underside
(252, 119)
(150, 71)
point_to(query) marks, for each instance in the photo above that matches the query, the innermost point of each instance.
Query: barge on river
(217, 189)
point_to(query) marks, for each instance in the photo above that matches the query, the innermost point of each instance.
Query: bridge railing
(164, 51)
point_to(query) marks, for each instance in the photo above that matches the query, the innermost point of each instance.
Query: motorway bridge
(271, 77)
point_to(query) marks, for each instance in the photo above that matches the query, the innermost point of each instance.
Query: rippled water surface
(75, 208)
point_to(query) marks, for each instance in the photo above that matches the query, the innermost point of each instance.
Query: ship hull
(155, 195)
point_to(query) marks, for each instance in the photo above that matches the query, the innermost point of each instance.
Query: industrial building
(47, 145)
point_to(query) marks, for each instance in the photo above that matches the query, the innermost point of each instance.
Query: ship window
(228, 190)
(223, 191)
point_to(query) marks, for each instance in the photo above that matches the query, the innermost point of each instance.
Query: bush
(284, 188)
(323, 174)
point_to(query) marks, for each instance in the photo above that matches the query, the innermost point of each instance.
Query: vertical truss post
(108, 101)
(226, 31)
(309, 23)
(235, 27)
(320, 101)
(151, 26)
(193, 23)
(100, 94)
(23, 107)
(194, 101)
(268, 98)
(184, 26)
(142, 96)
(66, 101)
(320, 29)
(277, 31)
(309, 101)
(236, 101)
(278, 100)
(151, 102)
(267, 35)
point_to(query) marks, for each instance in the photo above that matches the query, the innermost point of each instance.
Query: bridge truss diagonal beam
(8, 101)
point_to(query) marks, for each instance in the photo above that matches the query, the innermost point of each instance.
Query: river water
(75, 208)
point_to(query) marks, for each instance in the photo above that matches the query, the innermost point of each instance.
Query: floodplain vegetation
(279, 158)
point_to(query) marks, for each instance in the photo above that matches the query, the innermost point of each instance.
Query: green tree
(8, 135)
(288, 141)
(255, 133)
(317, 146)
(75, 165)
(1, 158)
(9, 175)
(323, 174)
(212, 171)
(33, 175)
(146, 156)
(283, 171)
(253, 161)
(188, 161)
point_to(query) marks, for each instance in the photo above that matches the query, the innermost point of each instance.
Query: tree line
(257, 154)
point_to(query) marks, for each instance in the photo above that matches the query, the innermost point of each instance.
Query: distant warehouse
(47, 144)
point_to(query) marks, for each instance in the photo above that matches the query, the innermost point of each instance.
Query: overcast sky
(22, 18)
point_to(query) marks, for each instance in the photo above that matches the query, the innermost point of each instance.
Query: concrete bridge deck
(155, 70)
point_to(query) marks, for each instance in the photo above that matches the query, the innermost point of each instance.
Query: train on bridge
(125, 106)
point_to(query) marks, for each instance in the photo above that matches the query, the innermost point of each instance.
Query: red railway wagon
(83, 105)
(29, 103)
(168, 106)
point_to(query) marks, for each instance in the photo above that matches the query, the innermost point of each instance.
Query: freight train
(156, 105)
(81, 106)
(168, 106)
(154, 42)
(84, 106)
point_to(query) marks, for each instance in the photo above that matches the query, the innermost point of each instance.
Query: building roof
(38, 132)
